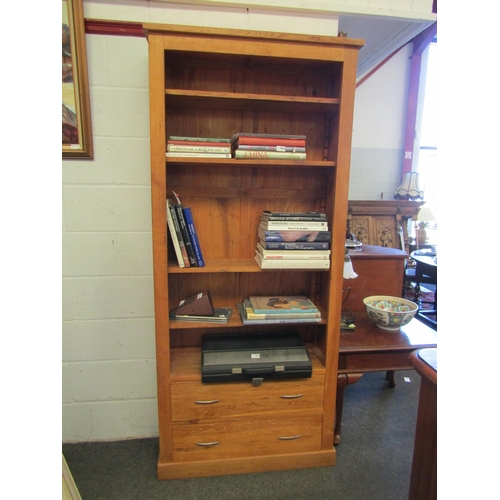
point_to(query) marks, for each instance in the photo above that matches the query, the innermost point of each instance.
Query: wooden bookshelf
(209, 82)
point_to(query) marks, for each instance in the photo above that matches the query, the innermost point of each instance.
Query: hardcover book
(266, 214)
(221, 315)
(292, 254)
(186, 154)
(194, 236)
(270, 155)
(278, 215)
(175, 234)
(198, 149)
(268, 140)
(179, 209)
(293, 225)
(198, 139)
(285, 149)
(288, 235)
(196, 305)
(251, 314)
(270, 321)
(291, 264)
(276, 304)
(287, 246)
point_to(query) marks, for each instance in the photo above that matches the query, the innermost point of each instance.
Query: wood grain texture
(210, 82)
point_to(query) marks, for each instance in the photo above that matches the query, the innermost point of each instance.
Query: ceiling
(383, 35)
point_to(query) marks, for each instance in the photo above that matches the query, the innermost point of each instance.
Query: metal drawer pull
(212, 443)
(208, 402)
(289, 438)
(291, 396)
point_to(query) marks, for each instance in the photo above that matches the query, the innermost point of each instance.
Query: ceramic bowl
(390, 313)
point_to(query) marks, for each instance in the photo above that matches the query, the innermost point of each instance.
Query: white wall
(379, 130)
(109, 380)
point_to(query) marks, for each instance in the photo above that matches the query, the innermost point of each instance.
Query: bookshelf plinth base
(184, 470)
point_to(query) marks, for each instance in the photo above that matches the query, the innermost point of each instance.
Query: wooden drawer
(195, 401)
(246, 438)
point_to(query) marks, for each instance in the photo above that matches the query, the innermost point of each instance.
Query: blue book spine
(194, 236)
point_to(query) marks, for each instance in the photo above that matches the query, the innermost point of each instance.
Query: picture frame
(76, 119)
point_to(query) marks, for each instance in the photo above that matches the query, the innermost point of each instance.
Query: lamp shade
(409, 189)
(426, 214)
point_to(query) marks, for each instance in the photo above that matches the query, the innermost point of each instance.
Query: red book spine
(271, 141)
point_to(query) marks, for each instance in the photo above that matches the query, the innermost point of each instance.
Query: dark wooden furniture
(426, 272)
(380, 272)
(211, 82)
(423, 482)
(370, 349)
(381, 222)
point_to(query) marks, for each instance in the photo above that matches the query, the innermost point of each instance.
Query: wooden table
(370, 349)
(423, 482)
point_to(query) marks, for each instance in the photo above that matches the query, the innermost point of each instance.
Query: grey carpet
(373, 459)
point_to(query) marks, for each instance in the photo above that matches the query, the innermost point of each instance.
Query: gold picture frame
(76, 121)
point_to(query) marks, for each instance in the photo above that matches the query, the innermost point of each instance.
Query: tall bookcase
(209, 82)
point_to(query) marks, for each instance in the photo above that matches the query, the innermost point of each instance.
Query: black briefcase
(254, 357)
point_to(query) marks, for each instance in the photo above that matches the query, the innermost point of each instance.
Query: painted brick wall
(108, 369)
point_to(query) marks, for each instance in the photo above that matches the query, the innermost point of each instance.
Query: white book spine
(292, 264)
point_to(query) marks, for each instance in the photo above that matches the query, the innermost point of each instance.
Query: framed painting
(76, 122)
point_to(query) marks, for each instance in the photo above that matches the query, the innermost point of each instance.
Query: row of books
(198, 147)
(241, 145)
(254, 310)
(183, 233)
(260, 310)
(293, 240)
(268, 146)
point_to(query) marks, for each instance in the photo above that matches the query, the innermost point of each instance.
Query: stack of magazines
(269, 146)
(198, 147)
(293, 240)
(266, 310)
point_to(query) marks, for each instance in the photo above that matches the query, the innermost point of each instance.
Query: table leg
(343, 379)
(389, 376)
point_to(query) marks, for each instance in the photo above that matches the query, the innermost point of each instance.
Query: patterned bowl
(390, 313)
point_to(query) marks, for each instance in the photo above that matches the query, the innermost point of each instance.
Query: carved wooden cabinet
(382, 223)
(210, 82)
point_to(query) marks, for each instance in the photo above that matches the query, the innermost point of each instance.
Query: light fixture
(348, 269)
(425, 215)
(409, 189)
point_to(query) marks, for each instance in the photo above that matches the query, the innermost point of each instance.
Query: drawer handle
(289, 438)
(291, 396)
(208, 402)
(211, 443)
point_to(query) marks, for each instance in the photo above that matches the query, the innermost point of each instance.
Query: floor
(373, 459)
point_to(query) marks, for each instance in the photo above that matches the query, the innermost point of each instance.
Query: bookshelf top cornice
(156, 28)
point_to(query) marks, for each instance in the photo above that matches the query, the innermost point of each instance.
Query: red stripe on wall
(115, 28)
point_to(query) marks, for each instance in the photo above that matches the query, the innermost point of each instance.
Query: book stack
(293, 240)
(183, 233)
(199, 309)
(198, 147)
(269, 146)
(261, 310)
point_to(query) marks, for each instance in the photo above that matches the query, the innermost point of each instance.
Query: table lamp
(425, 215)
